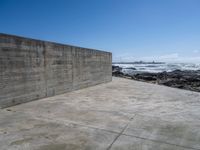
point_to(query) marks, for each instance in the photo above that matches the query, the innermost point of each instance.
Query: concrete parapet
(33, 69)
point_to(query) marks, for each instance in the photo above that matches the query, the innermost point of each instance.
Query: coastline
(182, 79)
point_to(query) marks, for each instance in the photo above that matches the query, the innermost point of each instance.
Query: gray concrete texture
(33, 69)
(119, 115)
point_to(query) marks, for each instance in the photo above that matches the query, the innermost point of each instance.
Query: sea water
(155, 68)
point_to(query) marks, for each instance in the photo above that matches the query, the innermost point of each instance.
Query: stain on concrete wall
(33, 69)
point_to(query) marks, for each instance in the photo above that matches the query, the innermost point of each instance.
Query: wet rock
(145, 76)
(116, 68)
(132, 68)
(188, 79)
(117, 71)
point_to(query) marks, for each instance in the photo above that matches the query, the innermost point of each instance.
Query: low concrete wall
(33, 69)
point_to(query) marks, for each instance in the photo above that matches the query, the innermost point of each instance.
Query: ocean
(155, 68)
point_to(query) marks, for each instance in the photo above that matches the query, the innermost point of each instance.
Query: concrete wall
(33, 69)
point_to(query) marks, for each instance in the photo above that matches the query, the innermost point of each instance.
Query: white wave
(154, 68)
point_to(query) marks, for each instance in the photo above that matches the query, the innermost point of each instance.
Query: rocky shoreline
(187, 79)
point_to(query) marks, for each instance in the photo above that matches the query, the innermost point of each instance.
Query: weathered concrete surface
(33, 69)
(120, 115)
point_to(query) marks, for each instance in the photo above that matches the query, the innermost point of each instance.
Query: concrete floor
(120, 115)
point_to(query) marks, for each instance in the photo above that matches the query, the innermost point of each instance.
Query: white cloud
(124, 57)
(167, 57)
(173, 57)
(196, 51)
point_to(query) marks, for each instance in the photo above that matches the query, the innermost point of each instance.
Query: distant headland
(139, 62)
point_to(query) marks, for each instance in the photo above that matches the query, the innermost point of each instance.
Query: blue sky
(160, 30)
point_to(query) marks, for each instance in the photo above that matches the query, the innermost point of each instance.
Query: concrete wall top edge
(50, 42)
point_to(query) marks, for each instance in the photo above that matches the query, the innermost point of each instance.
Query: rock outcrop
(187, 79)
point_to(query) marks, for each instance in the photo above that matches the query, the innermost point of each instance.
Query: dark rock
(117, 71)
(162, 75)
(188, 79)
(145, 76)
(116, 68)
(132, 68)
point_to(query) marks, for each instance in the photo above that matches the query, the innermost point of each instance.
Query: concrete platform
(120, 115)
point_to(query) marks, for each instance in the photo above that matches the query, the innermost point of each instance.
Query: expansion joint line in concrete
(142, 138)
(69, 123)
(157, 141)
(161, 142)
(118, 133)
(110, 146)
